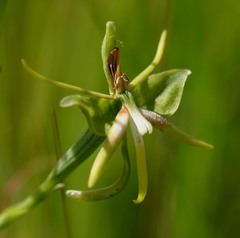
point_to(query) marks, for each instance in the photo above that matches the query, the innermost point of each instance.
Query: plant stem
(62, 192)
(84, 146)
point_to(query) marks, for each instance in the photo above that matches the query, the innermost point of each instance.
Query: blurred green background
(192, 192)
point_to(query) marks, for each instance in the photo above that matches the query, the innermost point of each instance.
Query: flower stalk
(84, 146)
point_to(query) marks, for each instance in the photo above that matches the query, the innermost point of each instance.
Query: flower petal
(141, 163)
(114, 137)
(168, 128)
(144, 74)
(142, 124)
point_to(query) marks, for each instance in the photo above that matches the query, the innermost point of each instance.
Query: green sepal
(100, 112)
(161, 92)
(109, 42)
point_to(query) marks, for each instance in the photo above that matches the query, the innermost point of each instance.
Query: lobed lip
(142, 124)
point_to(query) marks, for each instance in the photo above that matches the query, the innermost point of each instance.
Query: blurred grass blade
(58, 155)
(56, 134)
(3, 4)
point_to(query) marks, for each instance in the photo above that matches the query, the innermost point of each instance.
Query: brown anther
(120, 80)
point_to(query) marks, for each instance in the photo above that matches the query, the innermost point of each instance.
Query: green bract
(161, 92)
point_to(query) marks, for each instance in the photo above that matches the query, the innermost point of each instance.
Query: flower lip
(142, 124)
(141, 163)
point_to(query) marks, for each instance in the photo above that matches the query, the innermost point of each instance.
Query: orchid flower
(143, 102)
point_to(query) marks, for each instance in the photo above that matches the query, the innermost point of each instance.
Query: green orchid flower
(143, 102)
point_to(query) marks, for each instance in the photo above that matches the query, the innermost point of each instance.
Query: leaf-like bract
(161, 92)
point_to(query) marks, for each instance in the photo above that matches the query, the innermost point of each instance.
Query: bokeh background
(192, 192)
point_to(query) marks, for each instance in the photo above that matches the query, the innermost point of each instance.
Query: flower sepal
(99, 112)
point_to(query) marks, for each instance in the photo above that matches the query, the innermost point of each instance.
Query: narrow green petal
(161, 92)
(110, 145)
(110, 191)
(144, 74)
(141, 163)
(63, 85)
(168, 128)
(181, 136)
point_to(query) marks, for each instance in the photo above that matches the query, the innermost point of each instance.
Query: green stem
(85, 145)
